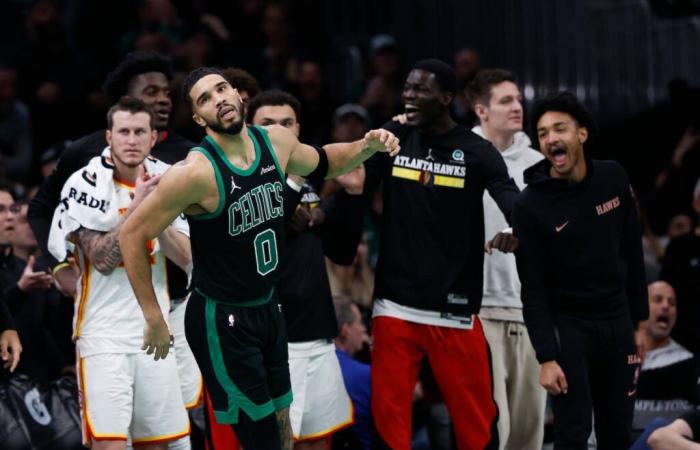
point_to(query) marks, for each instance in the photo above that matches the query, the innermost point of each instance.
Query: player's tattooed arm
(285, 427)
(101, 248)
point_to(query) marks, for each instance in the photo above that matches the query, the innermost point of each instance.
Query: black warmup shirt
(580, 251)
(432, 233)
(172, 149)
(303, 287)
(236, 249)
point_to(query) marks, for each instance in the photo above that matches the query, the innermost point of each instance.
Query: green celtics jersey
(236, 249)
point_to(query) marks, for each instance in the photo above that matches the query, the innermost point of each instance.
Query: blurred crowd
(54, 56)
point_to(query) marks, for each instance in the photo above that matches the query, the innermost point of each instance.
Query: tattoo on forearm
(286, 436)
(101, 248)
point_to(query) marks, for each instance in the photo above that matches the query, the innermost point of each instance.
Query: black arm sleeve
(632, 251)
(531, 260)
(500, 185)
(342, 229)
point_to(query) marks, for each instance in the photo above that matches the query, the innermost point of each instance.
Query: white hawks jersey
(107, 316)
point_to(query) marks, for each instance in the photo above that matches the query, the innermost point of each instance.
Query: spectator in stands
(382, 96)
(667, 385)
(352, 337)
(681, 269)
(15, 128)
(316, 103)
(467, 64)
(682, 434)
(40, 312)
(10, 346)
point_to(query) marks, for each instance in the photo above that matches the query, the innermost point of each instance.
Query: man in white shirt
(497, 103)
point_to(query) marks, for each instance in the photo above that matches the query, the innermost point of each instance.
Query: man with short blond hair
(497, 103)
(126, 394)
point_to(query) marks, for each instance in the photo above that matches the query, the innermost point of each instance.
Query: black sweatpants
(599, 360)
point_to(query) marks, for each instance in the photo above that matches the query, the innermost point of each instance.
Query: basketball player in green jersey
(230, 189)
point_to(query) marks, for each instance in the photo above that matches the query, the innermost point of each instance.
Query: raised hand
(145, 184)
(381, 140)
(34, 281)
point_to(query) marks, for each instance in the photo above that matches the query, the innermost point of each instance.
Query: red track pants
(460, 362)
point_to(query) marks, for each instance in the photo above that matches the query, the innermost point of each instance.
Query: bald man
(667, 383)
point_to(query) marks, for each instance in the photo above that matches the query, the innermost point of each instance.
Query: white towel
(87, 201)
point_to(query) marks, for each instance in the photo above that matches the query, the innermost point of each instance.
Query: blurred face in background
(349, 128)
(153, 88)
(662, 310)
(679, 225)
(8, 216)
(282, 115)
(8, 91)
(355, 333)
(23, 235)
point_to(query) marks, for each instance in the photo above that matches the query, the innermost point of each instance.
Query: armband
(59, 267)
(321, 170)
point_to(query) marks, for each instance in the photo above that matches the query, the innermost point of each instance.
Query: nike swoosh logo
(631, 393)
(561, 227)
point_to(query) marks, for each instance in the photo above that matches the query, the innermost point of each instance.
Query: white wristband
(292, 184)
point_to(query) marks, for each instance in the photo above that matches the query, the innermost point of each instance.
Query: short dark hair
(242, 80)
(445, 76)
(564, 102)
(132, 105)
(273, 97)
(117, 81)
(6, 186)
(479, 89)
(193, 77)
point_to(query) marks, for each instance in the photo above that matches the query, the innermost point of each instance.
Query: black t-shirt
(432, 233)
(172, 149)
(303, 286)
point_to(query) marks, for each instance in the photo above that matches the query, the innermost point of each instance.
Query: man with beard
(583, 283)
(429, 277)
(668, 381)
(145, 76)
(230, 188)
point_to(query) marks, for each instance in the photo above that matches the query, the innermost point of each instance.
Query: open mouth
(227, 112)
(559, 156)
(411, 111)
(663, 321)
